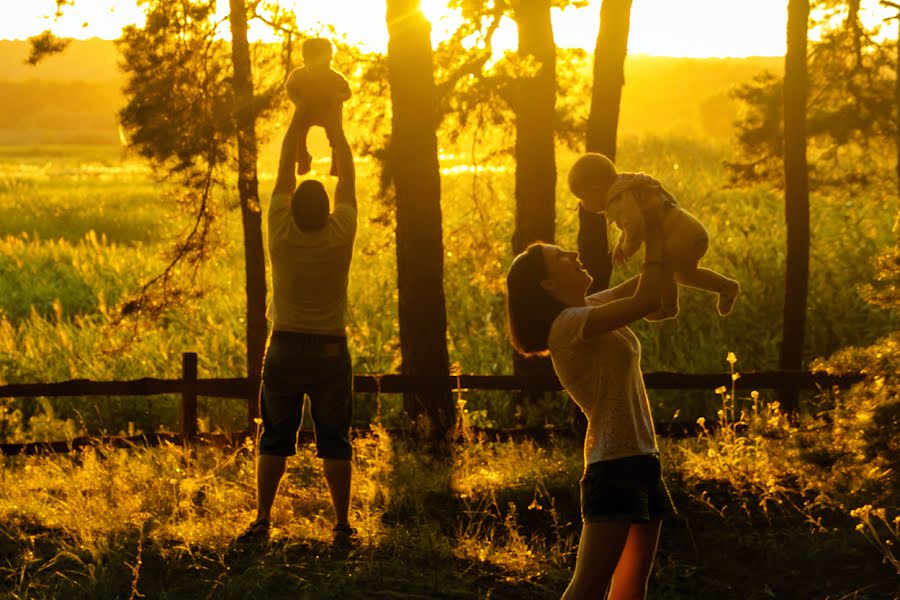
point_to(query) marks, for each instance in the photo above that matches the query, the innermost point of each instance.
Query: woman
(597, 359)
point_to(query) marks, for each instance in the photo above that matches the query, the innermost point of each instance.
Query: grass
(491, 520)
(768, 508)
(85, 225)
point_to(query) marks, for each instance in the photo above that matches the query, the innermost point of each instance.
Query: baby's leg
(711, 281)
(668, 307)
(330, 135)
(304, 159)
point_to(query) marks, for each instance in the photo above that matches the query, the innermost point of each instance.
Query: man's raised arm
(286, 180)
(345, 191)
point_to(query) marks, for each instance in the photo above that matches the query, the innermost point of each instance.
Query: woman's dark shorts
(315, 365)
(625, 489)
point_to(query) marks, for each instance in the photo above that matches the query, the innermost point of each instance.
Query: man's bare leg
(338, 476)
(269, 471)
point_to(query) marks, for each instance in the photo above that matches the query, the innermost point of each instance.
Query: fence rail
(190, 387)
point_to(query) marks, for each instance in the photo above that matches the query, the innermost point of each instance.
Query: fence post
(189, 397)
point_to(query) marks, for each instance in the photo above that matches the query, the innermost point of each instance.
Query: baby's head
(317, 52)
(590, 178)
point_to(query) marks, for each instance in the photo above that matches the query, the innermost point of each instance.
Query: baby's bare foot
(727, 296)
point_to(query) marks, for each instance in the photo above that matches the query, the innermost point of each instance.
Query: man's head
(309, 205)
(590, 178)
(317, 52)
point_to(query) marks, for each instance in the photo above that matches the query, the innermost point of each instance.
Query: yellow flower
(720, 389)
(731, 358)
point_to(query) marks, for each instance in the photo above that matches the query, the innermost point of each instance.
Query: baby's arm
(343, 89)
(295, 86)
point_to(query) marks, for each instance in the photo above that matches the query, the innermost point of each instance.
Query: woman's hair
(530, 307)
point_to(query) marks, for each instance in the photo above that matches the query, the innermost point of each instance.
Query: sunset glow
(692, 28)
(689, 28)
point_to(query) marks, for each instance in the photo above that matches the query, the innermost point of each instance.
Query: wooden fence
(190, 387)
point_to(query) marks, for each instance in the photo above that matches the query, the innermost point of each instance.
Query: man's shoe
(257, 532)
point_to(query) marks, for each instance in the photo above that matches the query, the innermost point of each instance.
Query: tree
(245, 115)
(896, 107)
(849, 106)
(190, 101)
(796, 196)
(414, 171)
(533, 102)
(603, 122)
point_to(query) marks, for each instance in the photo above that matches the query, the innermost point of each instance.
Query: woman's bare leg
(711, 281)
(629, 581)
(598, 553)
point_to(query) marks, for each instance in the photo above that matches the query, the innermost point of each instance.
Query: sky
(694, 28)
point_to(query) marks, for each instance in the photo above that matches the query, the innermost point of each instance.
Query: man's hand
(345, 191)
(286, 180)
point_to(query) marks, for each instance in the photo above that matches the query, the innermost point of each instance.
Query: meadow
(84, 226)
(757, 519)
(768, 508)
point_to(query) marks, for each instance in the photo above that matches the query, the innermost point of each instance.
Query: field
(493, 520)
(767, 508)
(84, 226)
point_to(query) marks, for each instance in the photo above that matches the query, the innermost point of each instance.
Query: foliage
(842, 457)
(850, 106)
(179, 115)
(44, 44)
(73, 191)
(884, 291)
(493, 519)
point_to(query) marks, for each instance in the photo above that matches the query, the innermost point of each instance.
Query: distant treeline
(62, 100)
(59, 111)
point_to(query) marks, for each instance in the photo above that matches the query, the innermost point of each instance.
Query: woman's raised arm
(648, 287)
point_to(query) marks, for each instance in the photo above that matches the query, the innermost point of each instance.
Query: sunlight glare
(690, 28)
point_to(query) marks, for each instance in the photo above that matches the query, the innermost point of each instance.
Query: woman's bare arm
(646, 288)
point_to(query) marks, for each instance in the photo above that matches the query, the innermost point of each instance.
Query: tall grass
(488, 519)
(84, 226)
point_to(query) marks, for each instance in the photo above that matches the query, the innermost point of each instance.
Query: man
(310, 252)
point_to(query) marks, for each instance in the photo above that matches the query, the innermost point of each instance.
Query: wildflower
(701, 421)
(735, 376)
(754, 394)
(731, 358)
(720, 389)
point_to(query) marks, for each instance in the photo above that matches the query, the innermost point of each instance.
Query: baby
(314, 88)
(594, 180)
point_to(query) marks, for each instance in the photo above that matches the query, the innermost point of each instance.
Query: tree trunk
(413, 165)
(897, 111)
(796, 196)
(534, 101)
(603, 122)
(534, 106)
(251, 215)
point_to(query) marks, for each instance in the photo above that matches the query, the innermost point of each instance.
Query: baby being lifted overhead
(594, 180)
(315, 88)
